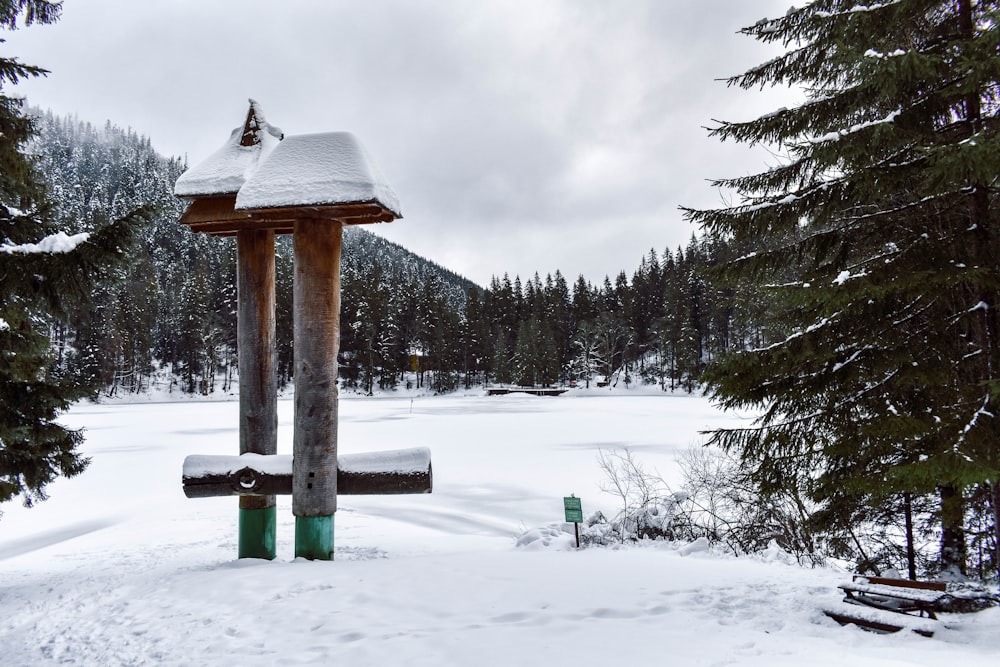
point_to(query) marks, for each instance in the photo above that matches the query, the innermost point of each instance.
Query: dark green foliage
(41, 283)
(880, 236)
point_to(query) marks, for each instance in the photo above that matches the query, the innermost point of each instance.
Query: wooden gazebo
(261, 183)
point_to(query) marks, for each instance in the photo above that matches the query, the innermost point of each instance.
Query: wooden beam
(349, 213)
(217, 216)
(232, 227)
(213, 209)
(404, 471)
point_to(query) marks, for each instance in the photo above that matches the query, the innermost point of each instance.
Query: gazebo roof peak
(226, 170)
(256, 125)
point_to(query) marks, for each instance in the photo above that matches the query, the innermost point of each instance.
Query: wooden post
(317, 341)
(258, 383)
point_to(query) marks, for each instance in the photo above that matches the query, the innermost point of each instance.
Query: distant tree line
(660, 327)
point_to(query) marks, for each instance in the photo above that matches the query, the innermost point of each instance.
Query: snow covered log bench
(390, 472)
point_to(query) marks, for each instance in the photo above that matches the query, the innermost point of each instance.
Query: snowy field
(119, 568)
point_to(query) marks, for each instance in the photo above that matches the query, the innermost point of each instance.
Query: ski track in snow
(118, 568)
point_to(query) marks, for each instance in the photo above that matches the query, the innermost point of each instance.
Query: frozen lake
(119, 568)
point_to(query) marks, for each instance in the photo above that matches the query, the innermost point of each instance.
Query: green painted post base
(314, 537)
(257, 533)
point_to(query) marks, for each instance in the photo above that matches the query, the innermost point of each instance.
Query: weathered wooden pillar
(317, 340)
(258, 382)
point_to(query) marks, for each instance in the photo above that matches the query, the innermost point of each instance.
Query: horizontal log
(372, 473)
(217, 216)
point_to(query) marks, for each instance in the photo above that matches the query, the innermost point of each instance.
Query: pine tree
(43, 272)
(885, 214)
(558, 315)
(476, 352)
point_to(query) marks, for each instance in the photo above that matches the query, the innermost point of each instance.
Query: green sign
(574, 510)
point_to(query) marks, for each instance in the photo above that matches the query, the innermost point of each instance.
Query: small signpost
(574, 514)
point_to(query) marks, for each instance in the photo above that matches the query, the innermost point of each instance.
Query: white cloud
(519, 135)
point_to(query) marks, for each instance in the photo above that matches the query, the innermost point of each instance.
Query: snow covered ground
(119, 568)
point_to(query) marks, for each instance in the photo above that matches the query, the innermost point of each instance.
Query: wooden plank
(906, 583)
(232, 227)
(899, 592)
(352, 213)
(256, 349)
(845, 619)
(316, 299)
(881, 621)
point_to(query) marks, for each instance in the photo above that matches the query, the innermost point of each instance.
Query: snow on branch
(857, 10)
(872, 53)
(59, 242)
(816, 326)
(981, 412)
(840, 134)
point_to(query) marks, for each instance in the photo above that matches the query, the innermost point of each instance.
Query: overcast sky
(520, 135)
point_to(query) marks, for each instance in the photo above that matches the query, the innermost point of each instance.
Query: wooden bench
(898, 595)
(890, 605)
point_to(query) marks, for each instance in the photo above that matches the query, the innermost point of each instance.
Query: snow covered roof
(316, 170)
(225, 170)
(261, 179)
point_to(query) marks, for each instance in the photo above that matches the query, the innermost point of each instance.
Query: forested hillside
(170, 317)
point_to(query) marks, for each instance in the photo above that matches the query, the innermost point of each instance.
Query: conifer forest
(168, 318)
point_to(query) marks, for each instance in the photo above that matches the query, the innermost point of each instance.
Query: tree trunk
(952, 515)
(911, 554)
(995, 499)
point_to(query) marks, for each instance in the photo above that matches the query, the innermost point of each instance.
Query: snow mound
(553, 537)
(700, 545)
(775, 554)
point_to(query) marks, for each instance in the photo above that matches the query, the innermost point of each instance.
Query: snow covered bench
(897, 595)
(890, 605)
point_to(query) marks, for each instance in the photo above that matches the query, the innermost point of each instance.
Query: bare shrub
(719, 501)
(649, 510)
(729, 508)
